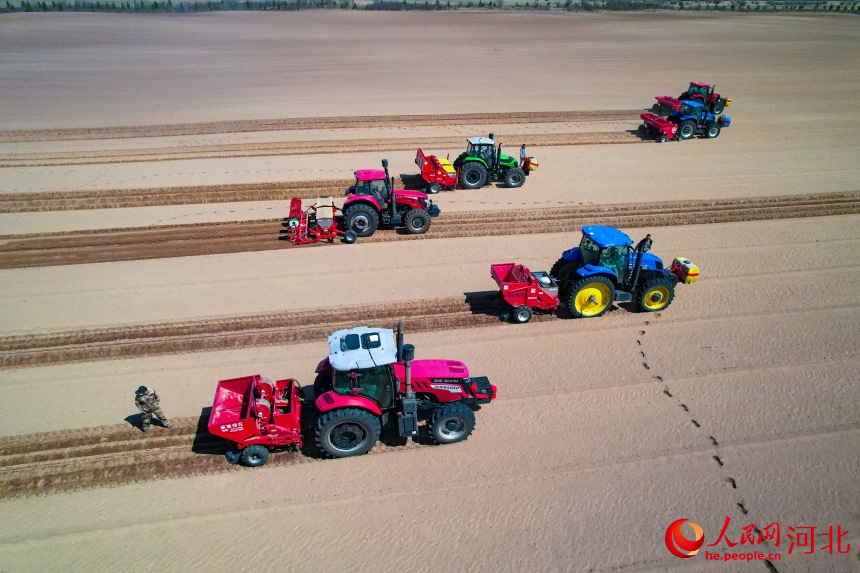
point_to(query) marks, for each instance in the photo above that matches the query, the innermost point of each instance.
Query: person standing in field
(148, 402)
(523, 155)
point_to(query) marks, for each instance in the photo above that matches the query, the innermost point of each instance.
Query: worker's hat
(142, 390)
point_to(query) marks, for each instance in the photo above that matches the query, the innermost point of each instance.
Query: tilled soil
(312, 147)
(344, 122)
(82, 247)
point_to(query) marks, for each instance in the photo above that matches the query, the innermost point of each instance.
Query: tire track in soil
(312, 147)
(56, 462)
(273, 329)
(127, 244)
(309, 123)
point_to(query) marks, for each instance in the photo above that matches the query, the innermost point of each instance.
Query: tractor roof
(693, 103)
(369, 174)
(607, 236)
(361, 347)
(700, 85)
(480, 141)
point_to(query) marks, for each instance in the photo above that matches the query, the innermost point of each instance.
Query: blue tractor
(693, 118)
(605, 267)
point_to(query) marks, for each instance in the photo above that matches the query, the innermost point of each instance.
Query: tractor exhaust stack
(407, 418)
(643, 246)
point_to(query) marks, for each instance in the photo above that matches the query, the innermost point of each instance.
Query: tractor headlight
(423, 201)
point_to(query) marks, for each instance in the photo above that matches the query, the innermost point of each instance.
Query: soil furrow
(218, 238)
(312, 147)
(286, 124)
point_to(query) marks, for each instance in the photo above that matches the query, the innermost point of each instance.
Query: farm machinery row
(369, 383)
(695, 112)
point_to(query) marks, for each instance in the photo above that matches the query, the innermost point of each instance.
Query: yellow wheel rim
(592, 299)
(656, 298)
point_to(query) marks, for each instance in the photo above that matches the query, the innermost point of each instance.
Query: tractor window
(485, 152)
(379, 190)
(589, 252)
(373, 383)
(615, 259)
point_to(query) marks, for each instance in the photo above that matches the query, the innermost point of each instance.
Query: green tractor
(483, 163)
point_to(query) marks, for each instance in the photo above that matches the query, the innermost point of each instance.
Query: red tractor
(698, 92)
(373, 201)
(369, 382)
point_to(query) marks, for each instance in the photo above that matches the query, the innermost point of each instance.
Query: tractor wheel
(563, 270)
(522, 314)
(591, 297)
(451, 423)
(434, 188)
(656, 295)
(350, 236)
(255, 456)
(347, 432)
(417, 221)
(687, 130)
(322, 384)
(712, 131)
(361, 218)
(643, 129)
(473, 175)
(718, 107)
(515, 177)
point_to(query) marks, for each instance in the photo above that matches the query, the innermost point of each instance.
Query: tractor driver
(380, 191)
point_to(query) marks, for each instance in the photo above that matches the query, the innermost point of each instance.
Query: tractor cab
(361, 359)
(482, 148)
(699, 90)
(373, 183)
(691, 109)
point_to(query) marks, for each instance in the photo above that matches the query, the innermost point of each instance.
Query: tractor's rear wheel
(347, 432)
(417, 221)
(718, 107)
(361, 218)
(591, 297)
(712, 131)
(687, 130)
(563, 270)
(322, 384)
(656, 295)
(255, 456)
(451, 423)
(522, 314)
(473, 175)
(515, 177)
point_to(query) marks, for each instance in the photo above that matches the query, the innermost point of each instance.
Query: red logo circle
(680, 546)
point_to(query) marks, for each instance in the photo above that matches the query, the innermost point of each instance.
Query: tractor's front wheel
(687, 130)
(347, 432)
(361, 218)
(417, 221)
(255, 456)
(515, 177)
(712, 131)
(591, 297)
(473, 175)
(451, 423)
(656, 295)
(718, 107)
